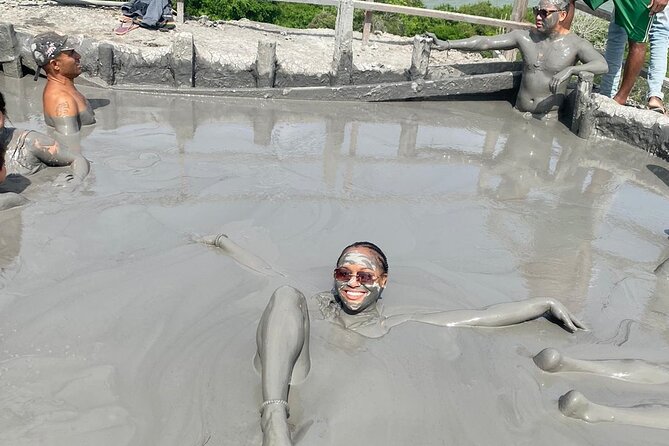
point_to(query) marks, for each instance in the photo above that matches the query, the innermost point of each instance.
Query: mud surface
(117, 329)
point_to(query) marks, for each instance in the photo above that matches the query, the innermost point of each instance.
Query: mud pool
(116, 329)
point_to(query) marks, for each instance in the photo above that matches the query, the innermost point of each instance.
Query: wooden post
(517, 15)
(106, 62)
(581, 122)
(342, 59)
(420, 58)
(183, 59)
(367, 27)
(266, 64)
(180, 11)
(9, 51)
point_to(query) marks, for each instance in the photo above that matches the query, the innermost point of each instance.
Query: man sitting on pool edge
(65, 108)
(550, 54)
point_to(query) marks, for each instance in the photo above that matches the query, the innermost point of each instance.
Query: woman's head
(360, 276)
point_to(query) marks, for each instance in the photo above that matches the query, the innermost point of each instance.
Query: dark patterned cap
(47, 46)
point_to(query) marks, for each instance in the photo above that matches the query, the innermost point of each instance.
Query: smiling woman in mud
(26, 152)
(360, 277)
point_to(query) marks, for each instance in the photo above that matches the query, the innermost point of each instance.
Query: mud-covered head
(52, 53)
(550, 14)
(47, 46)
(360, 276)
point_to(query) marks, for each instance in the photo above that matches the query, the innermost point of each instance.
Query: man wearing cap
(65, 108)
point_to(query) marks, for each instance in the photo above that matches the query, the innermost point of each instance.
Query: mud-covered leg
(575, 405)
(632, 370)
(9, 200)
(282, 358)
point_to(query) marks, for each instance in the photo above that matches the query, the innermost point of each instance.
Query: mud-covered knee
(287, 296)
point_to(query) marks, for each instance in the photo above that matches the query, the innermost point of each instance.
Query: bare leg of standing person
(633, 65)
(282, 358)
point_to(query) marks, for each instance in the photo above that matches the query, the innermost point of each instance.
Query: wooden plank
(420, 57)
(91, 2)
(367, 27)
(421, 12)
(433, 13)
(581, 122)
(517, 15)
(312, 2)
(181, 11)
(342, 58)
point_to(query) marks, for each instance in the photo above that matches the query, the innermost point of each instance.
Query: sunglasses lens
(342, 275)
(365, 278)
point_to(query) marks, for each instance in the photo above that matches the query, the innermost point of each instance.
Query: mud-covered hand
(66, 180)
(436, 41)
(656, 6)
(560, 312)
(559, 78)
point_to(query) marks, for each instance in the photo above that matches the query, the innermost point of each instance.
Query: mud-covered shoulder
(326, 305)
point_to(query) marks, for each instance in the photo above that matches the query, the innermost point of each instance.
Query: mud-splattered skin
(354, 296)
(65, 108)
(550, 54)
(284, 329)
(575, 405)
(27, 152)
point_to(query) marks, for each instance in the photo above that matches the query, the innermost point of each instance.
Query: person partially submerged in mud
(550, 56)
(65, 108)
(359, 279)
(26, 152)
(575, 405)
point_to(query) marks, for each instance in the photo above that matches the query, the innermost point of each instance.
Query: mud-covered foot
(549, 360)
(274, 424)
(574, 404)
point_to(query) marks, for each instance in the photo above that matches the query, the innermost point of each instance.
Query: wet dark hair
(3, 110)
(369, 245)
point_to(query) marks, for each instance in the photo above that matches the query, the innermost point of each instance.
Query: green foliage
(260, 11)
(327, 18)
(294, 15)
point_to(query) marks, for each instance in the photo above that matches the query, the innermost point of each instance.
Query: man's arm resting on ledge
(506, 41)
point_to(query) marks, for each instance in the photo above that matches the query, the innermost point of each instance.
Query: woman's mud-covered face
(365, 283)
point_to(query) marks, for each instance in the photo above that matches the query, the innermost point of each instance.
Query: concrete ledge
(394, 91)
(645, 129)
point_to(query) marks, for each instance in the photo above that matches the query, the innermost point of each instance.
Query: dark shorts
(632, 15)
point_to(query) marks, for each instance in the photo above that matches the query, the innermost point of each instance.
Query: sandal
(125, 27)
(657, 108)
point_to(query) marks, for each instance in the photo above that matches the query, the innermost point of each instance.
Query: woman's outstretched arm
(500, 315)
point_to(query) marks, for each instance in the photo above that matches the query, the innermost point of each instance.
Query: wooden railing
(517, 14)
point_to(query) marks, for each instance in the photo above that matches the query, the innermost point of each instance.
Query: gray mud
(117, 330)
